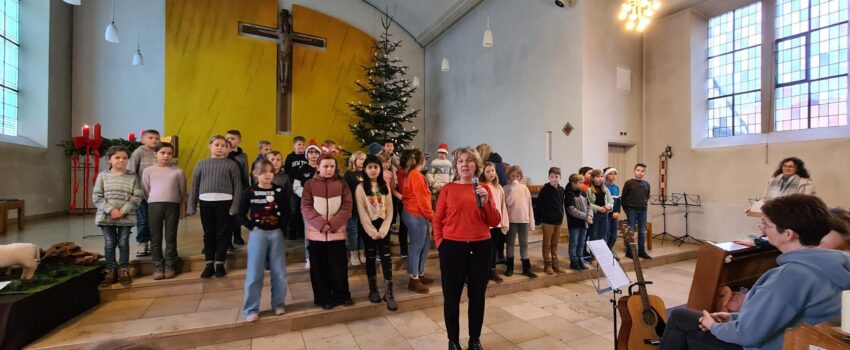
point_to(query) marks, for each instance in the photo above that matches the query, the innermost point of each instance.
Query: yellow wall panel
(216, 80)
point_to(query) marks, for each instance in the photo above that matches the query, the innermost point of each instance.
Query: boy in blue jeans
(142, 158)
(634, 201)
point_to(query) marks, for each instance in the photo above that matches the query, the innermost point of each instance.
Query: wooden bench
(5, 206)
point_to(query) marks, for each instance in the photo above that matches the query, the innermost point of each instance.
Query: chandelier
(637, 13)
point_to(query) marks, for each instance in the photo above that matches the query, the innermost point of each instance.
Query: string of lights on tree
(385, 116)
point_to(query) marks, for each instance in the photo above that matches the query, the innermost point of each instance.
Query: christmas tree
(385, 116)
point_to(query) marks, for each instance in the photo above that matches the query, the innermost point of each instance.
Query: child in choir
(326, 206)
(610, 175)
(217, 185)
(165, 187)
(353, 177)
(265, 147)
(491, 179)
(267, 204)
(293, 161)
(280, 177)
(551, 204)
(389, 175)
(579, 216)
(521, 217)
(375, 208)
(585, 173)
(634, 200)
(116, 194)
(389, 150)
(417, 214)
(142, 158)
(601, 203)
(440, 172)
(299, 178)
(234, 137)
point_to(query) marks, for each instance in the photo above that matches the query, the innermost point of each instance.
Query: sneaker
(352, 259)
(279, 311)
(416, 286)
(124, 276)
(209, 271)
(142, 250)
(644, 255)
(158, 275)
(170, 272)
(252, 317)
(109, 277)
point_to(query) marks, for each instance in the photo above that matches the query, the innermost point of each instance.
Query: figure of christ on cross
(284, 36)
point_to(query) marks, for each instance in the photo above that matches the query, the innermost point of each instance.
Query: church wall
(725, 177)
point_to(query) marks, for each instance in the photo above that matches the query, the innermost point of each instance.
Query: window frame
(3, 87)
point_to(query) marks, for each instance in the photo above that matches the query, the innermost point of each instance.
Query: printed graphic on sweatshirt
(270, 213)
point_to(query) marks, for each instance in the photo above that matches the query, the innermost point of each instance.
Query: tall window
(811, 64)
(734, 72)
(9, 67)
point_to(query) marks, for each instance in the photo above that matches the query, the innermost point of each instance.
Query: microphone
(474, 189)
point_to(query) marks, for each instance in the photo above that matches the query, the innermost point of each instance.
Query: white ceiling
(425, 20)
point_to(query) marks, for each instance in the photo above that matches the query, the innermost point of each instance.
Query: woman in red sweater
(462, 234)
(416, 199)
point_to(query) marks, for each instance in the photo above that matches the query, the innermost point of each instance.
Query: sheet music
(611, 268)
(730, 246)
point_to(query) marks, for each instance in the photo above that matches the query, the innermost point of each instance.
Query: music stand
(617, 279)
(664, 202)
(688, 201)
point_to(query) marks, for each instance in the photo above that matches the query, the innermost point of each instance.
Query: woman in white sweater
(521, 217)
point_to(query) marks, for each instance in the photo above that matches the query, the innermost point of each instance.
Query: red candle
(97, 131)
(85, 131)
(131, 137)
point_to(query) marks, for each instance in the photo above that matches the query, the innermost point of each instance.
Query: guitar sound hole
(649, 318)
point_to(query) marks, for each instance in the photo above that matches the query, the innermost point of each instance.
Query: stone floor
(567, 316)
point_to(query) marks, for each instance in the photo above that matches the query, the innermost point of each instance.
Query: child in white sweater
(518, 199)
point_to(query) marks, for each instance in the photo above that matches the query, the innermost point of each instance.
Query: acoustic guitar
(644, 316)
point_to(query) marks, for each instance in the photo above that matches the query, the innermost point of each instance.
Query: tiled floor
(568, 316)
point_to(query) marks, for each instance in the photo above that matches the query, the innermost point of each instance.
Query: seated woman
(805, 288)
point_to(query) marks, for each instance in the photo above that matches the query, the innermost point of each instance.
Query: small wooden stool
(5, 205)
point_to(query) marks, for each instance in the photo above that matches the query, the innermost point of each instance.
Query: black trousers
(464, 262)
(215, 219)
(402, 228)
(163, 220)
(329, 272)
(683, 332)
(374, 247)
(235, 228)
(496, 236)
(296, 222)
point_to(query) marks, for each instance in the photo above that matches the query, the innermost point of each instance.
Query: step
(190, 282)
(225, 324)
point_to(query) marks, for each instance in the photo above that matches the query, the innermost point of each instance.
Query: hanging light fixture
(445, 65)
(488, 35)
(138, 59)
(638, 13)
(74, 2)
(111, 30)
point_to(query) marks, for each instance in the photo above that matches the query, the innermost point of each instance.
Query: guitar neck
(644, 299)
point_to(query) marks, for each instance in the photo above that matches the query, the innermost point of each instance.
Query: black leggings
(215, 221)
(374, 247)
(464, 262)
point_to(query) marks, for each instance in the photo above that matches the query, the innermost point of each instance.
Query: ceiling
(425, 20)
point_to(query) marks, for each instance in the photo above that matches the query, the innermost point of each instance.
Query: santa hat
(312, 144)
(444, 148)
(610, 170)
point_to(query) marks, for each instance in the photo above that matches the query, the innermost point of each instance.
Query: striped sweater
(116, 191)
(216, 175)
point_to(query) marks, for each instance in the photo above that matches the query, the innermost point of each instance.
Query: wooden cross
(285, 38)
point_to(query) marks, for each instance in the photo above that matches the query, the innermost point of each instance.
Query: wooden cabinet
(808, 337)
(718, 267)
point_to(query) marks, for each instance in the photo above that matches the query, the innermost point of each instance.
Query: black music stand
(688, 201)
(664, 202)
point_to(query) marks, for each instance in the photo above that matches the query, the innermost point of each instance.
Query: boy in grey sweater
(141, 159)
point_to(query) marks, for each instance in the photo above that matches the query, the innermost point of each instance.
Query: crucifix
(285, 38)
